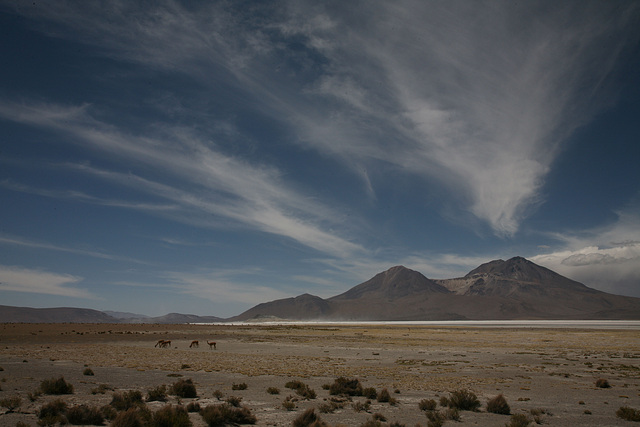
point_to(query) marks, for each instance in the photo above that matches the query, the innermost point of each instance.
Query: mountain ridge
(516, 289)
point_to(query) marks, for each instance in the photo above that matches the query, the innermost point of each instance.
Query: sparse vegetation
(132, 417)
(184, 388)
(273, 390)
(241, 386)
(289, 403)
(498, 405)
(628, 414)
(127, 400)
(193, 407)
(11, 403)
(52, 413)
(518, 420)
(427, 405)
(84, 415)
(56, 386)
(369, 393)
(361, 406)
(88, 372)
(218, 394)
(308, 419)
(234, 401)
(225, 414)
(101, 389)
(463, 400)
(301, 389)
(385, 397)
(171, 416)
(346, 386)
(602, 383)
(158, 394)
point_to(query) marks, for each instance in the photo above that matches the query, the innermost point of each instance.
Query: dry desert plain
(549, 374)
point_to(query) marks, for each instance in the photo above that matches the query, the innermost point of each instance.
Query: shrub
(52, 413)
(84, 415)
(444, 401)
(171, 416)
(602, 383)
(273, 390)
(158, 394)
(127, 400)
(464, 400)
(132, 417)
(87, 372)
(184, 388)
(109, 412)
(427, 405)
(225, 414)
(628, 414)
(218, 394)
(498, 405)
(518, 420)
(101, 389)
(369, 393)
(347, 386)
(11, 403)
(193, 407)
(289, 403)
(241, 386)
(308, 419)
(301, 389)
(234, 401)
(361, 406)
(385, 397)
(56, 386)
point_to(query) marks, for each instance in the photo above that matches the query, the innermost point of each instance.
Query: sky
(205, 157)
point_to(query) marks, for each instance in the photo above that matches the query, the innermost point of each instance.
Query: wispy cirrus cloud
(204, 181)
(606, 258)
(476, 96)
(18, 279)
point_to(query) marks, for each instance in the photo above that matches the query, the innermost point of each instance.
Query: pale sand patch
(551, 369)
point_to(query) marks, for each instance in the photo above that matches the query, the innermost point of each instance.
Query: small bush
(218, 394)
(193, 407)
(52, 413)
(109, 412)
(518, 420)
(171, 416)
(427, 405)
(132, 417)
(295, 384)
(184, 388)
(88, 372)
(602, 383)
(385, 397)
(225, 414)
(464, 400)
(234, 401)
(84, 415)
(444, 401)
(301, 389)
(56, 386)
(241, 386)
(289, 403)
(11, 403)
(127, 400)
(628, 414)
(498, 405)
(273, 390)
(369, 393)
(101, 389)
(361, 406)
(158, 394)
(346, 386)
(308, 419)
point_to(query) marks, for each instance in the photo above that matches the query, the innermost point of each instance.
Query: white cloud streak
(478, 96)
(17, 279)
(606, 258)
(205, 181)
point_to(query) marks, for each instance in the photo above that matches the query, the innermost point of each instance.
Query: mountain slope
(10, 314)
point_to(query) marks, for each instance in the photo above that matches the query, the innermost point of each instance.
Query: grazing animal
(194, 344)
(212, 344)
(163, 343)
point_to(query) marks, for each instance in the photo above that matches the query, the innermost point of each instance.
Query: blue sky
(203, 157)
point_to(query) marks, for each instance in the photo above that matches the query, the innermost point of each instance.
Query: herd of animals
(194, 344)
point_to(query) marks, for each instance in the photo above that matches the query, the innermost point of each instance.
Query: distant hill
(10, 314)
(498, 290)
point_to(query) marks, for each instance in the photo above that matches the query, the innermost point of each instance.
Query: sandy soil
(553, 370)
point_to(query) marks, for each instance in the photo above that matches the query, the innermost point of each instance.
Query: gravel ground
(550, 372)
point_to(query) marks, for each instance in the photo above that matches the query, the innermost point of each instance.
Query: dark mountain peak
(522, 270)
(396, 282)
